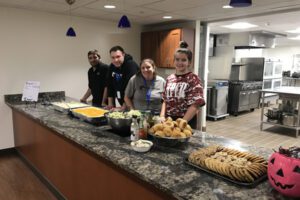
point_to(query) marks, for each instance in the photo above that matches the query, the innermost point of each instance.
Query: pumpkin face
(284, 174)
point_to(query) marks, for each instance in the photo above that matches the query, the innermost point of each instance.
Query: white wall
(285, 54)
(219, 66)
(34, 47)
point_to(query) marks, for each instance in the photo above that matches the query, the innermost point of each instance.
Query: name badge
(118, 94)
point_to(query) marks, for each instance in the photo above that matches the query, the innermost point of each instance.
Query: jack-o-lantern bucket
(284, 174)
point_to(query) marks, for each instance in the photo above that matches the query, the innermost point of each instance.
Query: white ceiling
(272, 15)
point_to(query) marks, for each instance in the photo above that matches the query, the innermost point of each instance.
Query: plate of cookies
(170, 132)
(241, 168)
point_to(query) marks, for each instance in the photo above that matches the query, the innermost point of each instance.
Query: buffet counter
(83, 161)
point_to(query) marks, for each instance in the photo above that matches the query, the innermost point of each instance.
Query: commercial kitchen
(251, 86)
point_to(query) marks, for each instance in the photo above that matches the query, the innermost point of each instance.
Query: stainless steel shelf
(281, 125)
(283, 91)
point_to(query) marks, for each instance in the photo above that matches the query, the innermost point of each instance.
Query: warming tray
(66, 106)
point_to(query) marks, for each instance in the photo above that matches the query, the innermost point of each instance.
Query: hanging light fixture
(70, 31)
(124, 21)
(240, 3)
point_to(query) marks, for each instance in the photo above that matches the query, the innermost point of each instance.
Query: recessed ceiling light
(297, 30)
(109, 6)
(167, 17)
(227, 6)
(295, 38)
(240, 25)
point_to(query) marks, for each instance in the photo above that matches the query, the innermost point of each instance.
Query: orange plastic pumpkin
(284, 174)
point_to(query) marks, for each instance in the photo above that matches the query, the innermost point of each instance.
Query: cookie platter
(240, 168)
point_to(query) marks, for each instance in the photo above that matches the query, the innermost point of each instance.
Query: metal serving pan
(78, 112)
(66, 106)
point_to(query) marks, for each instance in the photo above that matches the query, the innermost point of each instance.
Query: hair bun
(183, 44)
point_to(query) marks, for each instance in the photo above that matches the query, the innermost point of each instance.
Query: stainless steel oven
(243, 95)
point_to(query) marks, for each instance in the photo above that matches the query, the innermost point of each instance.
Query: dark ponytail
(183, 44)
(183, 48)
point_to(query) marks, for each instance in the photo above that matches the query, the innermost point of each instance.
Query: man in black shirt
(121, 69)
(97, 76)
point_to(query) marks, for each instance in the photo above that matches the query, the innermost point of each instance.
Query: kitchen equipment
(218, 99)
(64, 107)
(250, 69)
(120, 126)
(243, 95)
(168, 141)
(286, 73)
(273, 113)
(296, 75)
(289, 119)
(90, 114)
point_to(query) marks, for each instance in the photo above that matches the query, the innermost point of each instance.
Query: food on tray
(90, 111)
(237, 165)
(123, 115)
(172, 129)
(134, 112)
(117, 115)
(141, 143)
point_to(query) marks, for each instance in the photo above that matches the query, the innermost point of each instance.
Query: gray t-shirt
(136, 90)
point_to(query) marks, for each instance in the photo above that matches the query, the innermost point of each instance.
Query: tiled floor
(246, 128)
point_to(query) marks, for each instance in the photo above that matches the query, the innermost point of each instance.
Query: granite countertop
(161, 167)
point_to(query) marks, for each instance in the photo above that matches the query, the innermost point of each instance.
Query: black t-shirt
(98, 81)
(118, 78)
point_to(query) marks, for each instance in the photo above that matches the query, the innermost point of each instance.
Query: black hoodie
(118, 77)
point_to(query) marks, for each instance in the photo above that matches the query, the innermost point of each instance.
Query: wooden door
(168, 43)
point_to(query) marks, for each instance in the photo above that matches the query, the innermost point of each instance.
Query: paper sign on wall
(31, 91)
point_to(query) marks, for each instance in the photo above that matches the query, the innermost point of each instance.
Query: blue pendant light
(124, 22)
(71, 32)
(240, 3)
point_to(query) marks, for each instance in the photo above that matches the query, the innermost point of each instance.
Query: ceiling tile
(83, 11)
(169, 5)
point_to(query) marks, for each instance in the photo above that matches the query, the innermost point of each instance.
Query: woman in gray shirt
(144, 90)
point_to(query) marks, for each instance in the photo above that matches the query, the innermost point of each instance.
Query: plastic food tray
(66, 106)
(215, 174)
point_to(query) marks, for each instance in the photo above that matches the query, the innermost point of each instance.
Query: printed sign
(31, 91)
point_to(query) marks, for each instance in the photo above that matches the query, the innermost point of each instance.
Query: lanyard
(148, 93)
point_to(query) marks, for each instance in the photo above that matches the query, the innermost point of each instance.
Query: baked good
(173, 129)
(237, 165)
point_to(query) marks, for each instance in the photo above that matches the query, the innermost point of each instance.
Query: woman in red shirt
(183, 94)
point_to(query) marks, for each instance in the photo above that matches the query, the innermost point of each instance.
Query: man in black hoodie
(121, 69)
